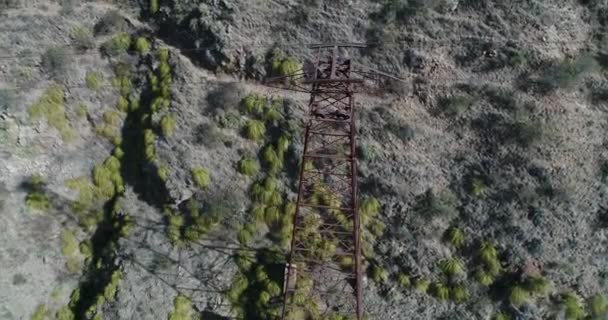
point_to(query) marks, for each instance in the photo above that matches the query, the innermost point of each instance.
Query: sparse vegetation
(431, 205)
(456, 105)
(111, 22)
(566, 73)
(55, 61)
(51, 106)
(82, 38)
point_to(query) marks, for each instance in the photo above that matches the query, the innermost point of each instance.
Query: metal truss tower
(323, 276)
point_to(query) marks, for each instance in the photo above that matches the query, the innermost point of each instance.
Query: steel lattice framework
(323, 276)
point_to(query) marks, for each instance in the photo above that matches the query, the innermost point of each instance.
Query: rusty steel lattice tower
(323, 274)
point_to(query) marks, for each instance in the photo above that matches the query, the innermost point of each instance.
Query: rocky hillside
(146, 172)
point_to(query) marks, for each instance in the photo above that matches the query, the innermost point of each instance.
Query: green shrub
(368, 209)
(51, 106)
(38, 201)
(119, 44)
(174, 228)
(501, 316)
(244, 236)
(598, 306)
(478, 188)
(142, 45)
(154, 5)
(65, 314)
(272, 159)
(573, 306)
(112, 118)
(73, 265)
(459, 293)
(248, 166)
(55, 61)
(455, 236)
(255, 130)
(163, 173)
(441, 291)
(82, 38)
(538, 285)
(167, 125)
(134, 104)
(488, 253)
(273, 113)
(452, 266)
(254, 104)
(93, 80)
(69, 244)
(85, 193)
(148, 137)
(283, 65)
(41, 313)
(485, 278)
(379, 274)
(421, 284)
(86, 248)
(122, 104)
(123, 84)
(110, 133)
(404, 280)
(518, 296)
(201, 177)
(346, 262)
(109, 292)
(282, 144)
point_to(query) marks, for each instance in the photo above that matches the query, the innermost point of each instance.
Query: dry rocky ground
(497, 132)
